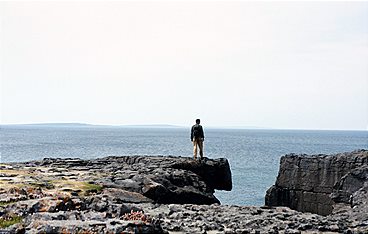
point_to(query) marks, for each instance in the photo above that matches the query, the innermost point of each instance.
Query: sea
(253, 154)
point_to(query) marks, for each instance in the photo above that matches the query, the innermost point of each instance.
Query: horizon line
(75, 124)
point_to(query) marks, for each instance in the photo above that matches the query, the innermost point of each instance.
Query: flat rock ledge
(143, 194)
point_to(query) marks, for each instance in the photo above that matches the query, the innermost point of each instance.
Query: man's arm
(202, 133)
(191, 134)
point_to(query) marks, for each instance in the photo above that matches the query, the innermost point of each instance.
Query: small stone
(292, 231)
(334, 228)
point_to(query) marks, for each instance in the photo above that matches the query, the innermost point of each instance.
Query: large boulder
(315, 183)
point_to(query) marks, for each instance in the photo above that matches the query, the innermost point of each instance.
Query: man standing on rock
(197, 137)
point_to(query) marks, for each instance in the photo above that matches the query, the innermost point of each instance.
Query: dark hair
(198, 121)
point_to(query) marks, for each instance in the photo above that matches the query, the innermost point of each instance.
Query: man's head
(198, 121)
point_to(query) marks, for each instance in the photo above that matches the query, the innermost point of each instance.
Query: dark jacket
(200, 132)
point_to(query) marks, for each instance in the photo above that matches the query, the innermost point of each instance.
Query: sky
(287, 65)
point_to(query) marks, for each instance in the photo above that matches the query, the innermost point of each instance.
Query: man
(197, 137)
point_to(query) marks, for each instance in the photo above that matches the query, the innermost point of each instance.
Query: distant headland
(83, 125)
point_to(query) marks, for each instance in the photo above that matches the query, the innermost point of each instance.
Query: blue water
(253, 154)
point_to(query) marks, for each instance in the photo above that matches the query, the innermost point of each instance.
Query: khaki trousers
(197, 143)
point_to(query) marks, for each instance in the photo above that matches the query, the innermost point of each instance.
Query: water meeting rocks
(141, 194)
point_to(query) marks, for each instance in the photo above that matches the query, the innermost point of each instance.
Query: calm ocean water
(253, 154)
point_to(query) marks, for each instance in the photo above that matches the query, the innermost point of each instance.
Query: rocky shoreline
(324, 184)
(136, 194)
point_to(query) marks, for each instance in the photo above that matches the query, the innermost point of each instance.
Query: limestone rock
(129, 195)
(316, 183)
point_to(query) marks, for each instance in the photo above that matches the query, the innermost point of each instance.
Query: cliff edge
(136, 179)
(142, 194)
(102, 195)
(323, 184)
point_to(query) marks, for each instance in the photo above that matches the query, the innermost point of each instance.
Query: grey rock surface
(158, 179)
(98, 196)
(159, 195)
(316, 183)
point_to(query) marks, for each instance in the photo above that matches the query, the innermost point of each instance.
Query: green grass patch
(91, 188)
(81, 187)
(4, 223)
(5, 203)
(42, 184)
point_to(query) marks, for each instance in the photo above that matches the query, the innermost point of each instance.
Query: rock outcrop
(318, 183)
(350, 196)
(139, 179)
(132, 195)
(99, 195)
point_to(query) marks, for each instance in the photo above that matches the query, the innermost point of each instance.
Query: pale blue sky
(298, 65)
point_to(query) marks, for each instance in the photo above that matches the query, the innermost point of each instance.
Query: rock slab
(72, 195)
(318, 183)
(169, 180)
